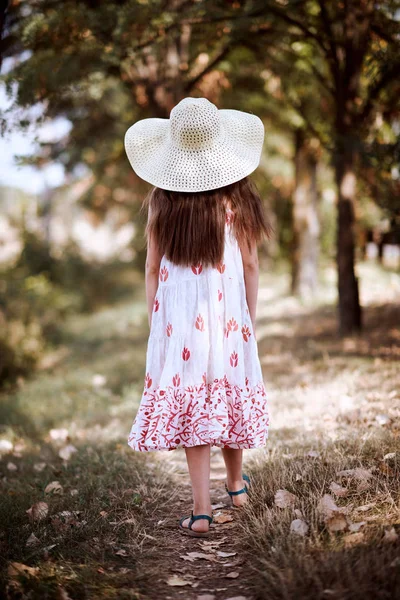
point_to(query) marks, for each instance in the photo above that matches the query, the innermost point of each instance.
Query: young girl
(203, 385)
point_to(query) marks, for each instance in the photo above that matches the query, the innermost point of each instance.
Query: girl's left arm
(152, 268)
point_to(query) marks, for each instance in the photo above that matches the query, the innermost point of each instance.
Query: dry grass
(321, 564)
(339, 398)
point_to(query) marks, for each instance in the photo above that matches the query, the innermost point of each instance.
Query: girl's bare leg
(198, 459)
(233, 459)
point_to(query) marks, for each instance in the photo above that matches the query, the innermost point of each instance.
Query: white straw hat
(200, 147)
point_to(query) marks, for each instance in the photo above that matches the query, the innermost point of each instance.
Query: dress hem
(211, 443)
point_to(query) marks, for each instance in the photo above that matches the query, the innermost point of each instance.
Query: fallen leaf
(390, 535)
(357, 473)
(389, 456)
(284, 499)
(98, 380)
(53, 488)
(39, 467)
(327, 506)
(121, 552)
(191, 556)
(12, 466)
(32, 541)
(365, 507)
(232, 575)
(225, 554)
(337, 522)
(15, 569)
(218, 506)
(357, 526)
(210, 543)
(338, 490)
(175, 580)
(221, 518)
(38, 511)
(66, 452)
(298, 513)
(351, 539)
(5, 446)
(383, 419)
(313, 454)
(59, 435)
(206, 597)
(299, 527)
(74, 492)
(298, 477)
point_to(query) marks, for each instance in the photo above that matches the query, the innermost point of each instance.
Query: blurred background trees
(323, 76)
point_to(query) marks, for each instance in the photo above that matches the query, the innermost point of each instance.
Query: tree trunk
(349, 305)
(306, 226)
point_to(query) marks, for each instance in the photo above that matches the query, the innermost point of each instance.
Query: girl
(203, 383)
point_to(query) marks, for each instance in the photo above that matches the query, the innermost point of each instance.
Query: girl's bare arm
(251, 273)
(152, 269)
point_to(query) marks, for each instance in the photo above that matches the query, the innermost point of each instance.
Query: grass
(98, 529)
(325, 563)
(338, 398)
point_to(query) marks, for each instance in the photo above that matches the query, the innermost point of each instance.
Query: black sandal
(244, 490)
(189, 531)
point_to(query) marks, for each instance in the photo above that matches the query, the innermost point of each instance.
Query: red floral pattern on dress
(233, 359)
(231, 326)
(221, 267)
(185, 353)
(176, 380)
(147, 381)
(200, 323)
(164, 274)
(169, 329)
(197, 269)
(216, 413)
(246, 333)
(219, 295)
(156, 305)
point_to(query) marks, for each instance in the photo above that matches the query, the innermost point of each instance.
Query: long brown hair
(189, 226)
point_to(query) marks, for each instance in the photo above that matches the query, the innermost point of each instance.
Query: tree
(359, 44)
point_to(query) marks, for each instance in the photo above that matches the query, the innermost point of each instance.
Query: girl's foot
(199, 525)
(238, 500)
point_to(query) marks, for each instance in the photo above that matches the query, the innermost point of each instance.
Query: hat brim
(155, 158)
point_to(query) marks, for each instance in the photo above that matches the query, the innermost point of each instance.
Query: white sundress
(203, 382)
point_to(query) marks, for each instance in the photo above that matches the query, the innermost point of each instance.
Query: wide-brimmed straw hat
(200, 147)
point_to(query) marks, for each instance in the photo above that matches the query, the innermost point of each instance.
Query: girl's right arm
(251, 273)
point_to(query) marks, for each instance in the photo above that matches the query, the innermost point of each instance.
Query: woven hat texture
(200, 147)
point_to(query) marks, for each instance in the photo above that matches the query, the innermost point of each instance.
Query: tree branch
(376, 89)
(191, 82)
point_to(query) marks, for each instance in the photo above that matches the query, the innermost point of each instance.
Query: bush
(30, 309)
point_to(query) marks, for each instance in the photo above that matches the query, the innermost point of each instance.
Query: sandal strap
(242, 491)
(194, 518)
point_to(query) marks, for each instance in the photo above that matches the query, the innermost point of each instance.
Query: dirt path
(207, 575)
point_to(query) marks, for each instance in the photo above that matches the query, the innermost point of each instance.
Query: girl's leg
(233, 459)
(198, 459)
